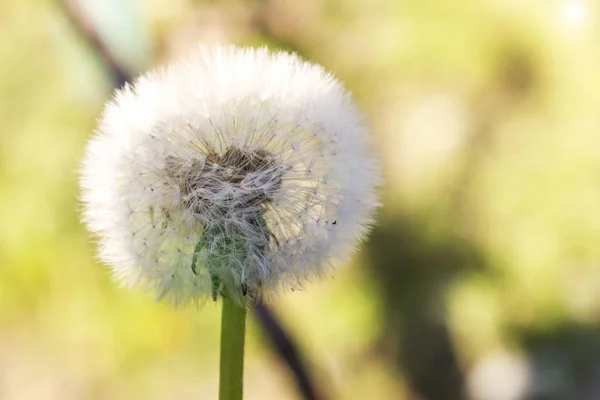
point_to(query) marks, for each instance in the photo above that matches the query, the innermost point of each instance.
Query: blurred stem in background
(416, 337)
(287, 350)
(282, 343)
(118, 73)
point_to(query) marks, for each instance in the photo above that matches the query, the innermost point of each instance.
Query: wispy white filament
(237, 172)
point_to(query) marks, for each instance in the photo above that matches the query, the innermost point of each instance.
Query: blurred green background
(481, 281)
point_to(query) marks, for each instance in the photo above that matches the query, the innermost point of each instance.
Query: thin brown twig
(288, 351)
(76, 17)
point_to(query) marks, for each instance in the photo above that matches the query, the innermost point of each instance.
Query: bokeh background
(482, 280)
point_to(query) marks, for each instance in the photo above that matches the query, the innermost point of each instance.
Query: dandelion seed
(218, 176)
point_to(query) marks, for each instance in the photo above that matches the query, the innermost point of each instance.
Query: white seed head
(237, 172)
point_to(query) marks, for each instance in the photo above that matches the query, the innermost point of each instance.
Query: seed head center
(238, 181)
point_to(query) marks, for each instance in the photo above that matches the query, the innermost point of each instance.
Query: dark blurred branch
(287, 350)
(282, 343)
(414, 271)
(73, 12)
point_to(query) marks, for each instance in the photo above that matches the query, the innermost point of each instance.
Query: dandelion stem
(233, 330)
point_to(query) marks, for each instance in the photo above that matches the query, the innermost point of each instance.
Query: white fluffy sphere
(237, 172)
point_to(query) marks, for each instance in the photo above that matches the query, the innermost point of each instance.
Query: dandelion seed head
(237, 172)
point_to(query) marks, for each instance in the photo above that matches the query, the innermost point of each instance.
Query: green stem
(233, 329)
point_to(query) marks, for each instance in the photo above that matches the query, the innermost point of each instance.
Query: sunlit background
(482, 280)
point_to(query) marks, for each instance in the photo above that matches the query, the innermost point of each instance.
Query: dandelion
(239, 171)
(236, 174)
